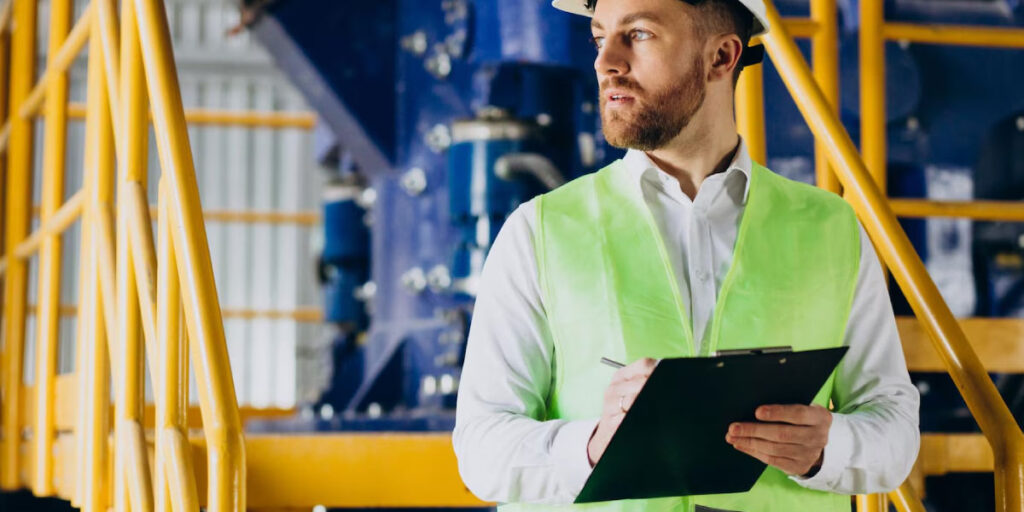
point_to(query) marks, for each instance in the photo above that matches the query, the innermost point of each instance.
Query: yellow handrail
(970, 376)
(19, 172)
(120, 289)
(226, 456)
(47, 318)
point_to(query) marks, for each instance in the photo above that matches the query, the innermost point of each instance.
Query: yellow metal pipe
(872, 90)
(19, 186)
(59, 63)
(104, 251)
(1007, 211)
(987, 407)
(797, 27)
(750, 111)
(4, 82)
(56, 224)
(905, 499)
(871, 503)
(172, 403)
(307, 314)
(110, 37)
(140, 490)
(99, 165)
(825, 62)
(140, 242)
(222, 426)
(47, 317)
(180, 471)
(956, 35)
(252, 119)
(132, 135)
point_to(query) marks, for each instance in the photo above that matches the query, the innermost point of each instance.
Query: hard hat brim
(579, 7)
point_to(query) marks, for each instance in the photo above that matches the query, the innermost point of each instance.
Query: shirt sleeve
(874, 437)
(506, 450)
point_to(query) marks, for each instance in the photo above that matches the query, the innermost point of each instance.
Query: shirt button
(703, 276)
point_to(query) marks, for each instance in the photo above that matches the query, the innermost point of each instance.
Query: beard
(650, 124)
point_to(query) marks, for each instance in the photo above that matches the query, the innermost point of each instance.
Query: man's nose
(611, 59)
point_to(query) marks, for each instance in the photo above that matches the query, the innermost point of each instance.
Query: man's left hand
(791, 437)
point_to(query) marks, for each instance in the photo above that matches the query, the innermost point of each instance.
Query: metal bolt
(587, 107)
(1020, 123)
(455, 43)
(544, 119)
(367, 198)
(923, 387)
(448, 384)
(414, 280)
(327, 412)
(415, 43)
(365, 292)
(429, 385)
(904, 44)
(913, 124)
(439, 278)
(439, 65)
(319, 508)
(414, 181)
(374, 410)
(439, 138)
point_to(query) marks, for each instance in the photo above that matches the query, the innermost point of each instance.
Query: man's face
(649, 68)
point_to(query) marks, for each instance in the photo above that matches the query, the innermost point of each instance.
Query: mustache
(621, 82)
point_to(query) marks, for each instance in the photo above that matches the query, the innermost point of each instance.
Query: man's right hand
(618, 398)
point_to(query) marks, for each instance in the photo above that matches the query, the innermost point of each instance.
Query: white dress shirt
(506, 450)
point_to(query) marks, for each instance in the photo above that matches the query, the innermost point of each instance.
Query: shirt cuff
(569, 449)
(838, 452)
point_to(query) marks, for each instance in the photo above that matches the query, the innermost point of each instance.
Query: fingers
(787, 465)
(754, 445)
(778, 433)
(621, 396)
(795, 414)
(638, 370)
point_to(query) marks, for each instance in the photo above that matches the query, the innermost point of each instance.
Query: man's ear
(725, 56)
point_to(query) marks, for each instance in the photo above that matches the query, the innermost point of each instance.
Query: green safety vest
(609, 290)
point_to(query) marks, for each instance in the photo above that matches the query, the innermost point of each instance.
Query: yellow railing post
(172, 406)
(872, 90)
(47, 318)
(222, 426)
(871, 503)
(133, 479)
(825, 62)
(99, 184)
(19, 173)
(905, 499)
(5, 61)
(750, 111)
(987, 407)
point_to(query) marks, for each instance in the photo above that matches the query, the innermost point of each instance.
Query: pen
(613, 364)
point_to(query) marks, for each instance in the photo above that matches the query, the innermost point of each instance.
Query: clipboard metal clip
(754, 351)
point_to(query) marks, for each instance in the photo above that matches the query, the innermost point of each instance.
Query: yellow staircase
(63, 437)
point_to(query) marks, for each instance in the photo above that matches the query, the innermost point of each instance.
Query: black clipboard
(672, 441)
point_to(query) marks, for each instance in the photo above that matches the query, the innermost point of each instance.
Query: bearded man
(682, 248)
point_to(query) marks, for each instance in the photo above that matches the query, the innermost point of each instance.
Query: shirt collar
(639, 164)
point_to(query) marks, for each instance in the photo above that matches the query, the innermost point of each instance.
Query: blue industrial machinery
(451, 113)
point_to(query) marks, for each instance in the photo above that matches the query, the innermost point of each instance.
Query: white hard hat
(756, 7)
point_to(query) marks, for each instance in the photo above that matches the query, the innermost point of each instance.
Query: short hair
(722, 16)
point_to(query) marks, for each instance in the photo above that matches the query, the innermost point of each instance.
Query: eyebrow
(630, 18)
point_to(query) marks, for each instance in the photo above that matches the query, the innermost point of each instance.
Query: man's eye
(640, 35)
(597, 41)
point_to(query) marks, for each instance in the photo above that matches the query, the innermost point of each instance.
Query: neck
(705, 147)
